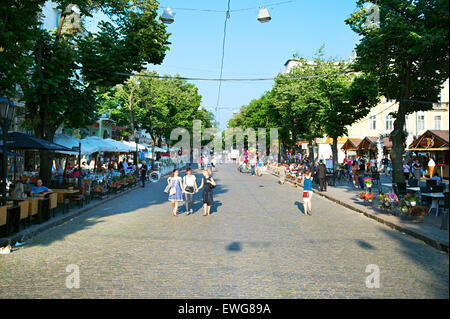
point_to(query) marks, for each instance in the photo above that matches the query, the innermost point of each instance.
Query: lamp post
(136, 141)
(7, 112)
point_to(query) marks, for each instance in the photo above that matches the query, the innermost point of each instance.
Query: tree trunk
(334, 149)
(397, 135)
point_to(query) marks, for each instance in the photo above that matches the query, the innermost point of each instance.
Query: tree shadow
(137, 199)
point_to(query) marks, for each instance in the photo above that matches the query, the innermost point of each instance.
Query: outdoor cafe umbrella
(16, 140)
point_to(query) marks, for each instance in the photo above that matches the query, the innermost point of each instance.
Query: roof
(431, 140)
(351, 144)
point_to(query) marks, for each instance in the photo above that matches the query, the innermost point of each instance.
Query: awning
(95, 144)
(21, 141)
(67, 141)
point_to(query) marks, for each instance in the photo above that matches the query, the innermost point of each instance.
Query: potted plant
(387, 201)
(404, 207)
(411, 200)
(368, 182)
(369, 198)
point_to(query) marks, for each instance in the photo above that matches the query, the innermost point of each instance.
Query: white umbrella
(94, 144)
(67, 141)
(159, 149)
(122, 147)
(132, 145)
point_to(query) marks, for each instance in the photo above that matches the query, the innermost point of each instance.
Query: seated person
(437, 178)
(39, 189)
(18, 192)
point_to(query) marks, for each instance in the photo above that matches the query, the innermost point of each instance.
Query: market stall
(433, 144)
(350, 147)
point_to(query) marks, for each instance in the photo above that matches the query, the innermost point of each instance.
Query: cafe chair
(431, 182)
(77, 199)
(437, 189)
(3, 215)
(53, 202)
(413, 182)
(400, 189)
(64, 202)
(33, 209)
(24, 215)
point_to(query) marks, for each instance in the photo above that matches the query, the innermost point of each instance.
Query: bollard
(444, 223)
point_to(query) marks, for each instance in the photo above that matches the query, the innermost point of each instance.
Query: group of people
(187, 186)
(205, 162)
(39, 190)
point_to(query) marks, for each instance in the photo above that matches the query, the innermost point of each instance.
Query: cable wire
(227, 16)
(235, 10)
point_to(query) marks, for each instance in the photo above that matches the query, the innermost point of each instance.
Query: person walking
(385, 162)
(175, 191)
(406, 171)
(307, 192)
(282, 174)
(143, 171)
(417, 170)
(253, 164)
(199, 162)
(322, 175)
(213, 163)
(360, 173)
(373, 165)
(207, 184)
(190, 188)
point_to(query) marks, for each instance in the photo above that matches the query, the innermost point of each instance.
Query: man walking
(144, 169)
(322, 175)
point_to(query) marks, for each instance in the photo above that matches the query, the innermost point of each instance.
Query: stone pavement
(256, 244)
(427, 230)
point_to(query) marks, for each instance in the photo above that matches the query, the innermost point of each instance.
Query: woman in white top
(373, 165)
(190, 188)
(406, 170)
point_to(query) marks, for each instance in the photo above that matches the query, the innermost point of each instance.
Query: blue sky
(252, 49)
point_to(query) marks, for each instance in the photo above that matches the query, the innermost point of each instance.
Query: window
(437, 122)
(389, 122)
(420, 122)
(372, 122)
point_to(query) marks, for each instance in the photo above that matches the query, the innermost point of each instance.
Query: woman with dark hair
(190, 188)
(175, 191)
(209, 183)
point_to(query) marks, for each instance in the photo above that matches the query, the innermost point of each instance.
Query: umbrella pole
(65, 170)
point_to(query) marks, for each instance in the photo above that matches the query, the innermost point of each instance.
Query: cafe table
(62, 193)
(434, 201)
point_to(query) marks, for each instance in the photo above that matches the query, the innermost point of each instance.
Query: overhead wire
(227, 16)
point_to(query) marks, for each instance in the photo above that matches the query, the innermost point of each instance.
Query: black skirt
(208, 196)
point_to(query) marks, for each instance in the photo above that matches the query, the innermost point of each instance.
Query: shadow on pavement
(139, 198)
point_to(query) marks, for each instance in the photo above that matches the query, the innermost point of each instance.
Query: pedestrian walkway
(257, 243)
(428, 229)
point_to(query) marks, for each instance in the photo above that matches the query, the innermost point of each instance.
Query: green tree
(18, 31)
(409, 55)
(72, 66)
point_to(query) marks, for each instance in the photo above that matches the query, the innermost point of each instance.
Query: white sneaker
(5, 250)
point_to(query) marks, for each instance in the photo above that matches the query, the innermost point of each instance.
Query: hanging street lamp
(263, 15)
(7, 112)
(167, 16)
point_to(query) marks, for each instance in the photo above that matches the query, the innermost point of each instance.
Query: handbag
(305, 194)
(173, 191)
(189, 189)
(166, 190)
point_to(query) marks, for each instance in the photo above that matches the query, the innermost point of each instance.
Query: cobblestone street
(256, 244)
